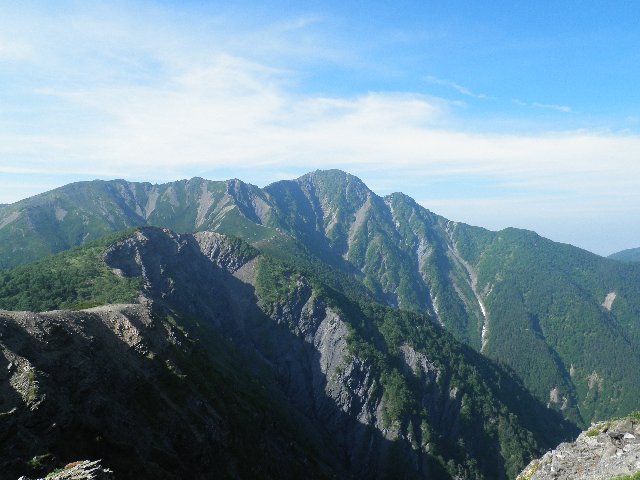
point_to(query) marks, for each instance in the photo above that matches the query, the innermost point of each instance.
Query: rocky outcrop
(225, 252)
(82, 379)
(132, 385)
(81, 470)
(606, 451)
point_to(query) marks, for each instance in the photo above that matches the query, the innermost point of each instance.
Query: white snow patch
(434, 302)
(485, 324)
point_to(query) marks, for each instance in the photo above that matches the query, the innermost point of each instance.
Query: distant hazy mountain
(629, 255)
(564, 319)
(236, 364)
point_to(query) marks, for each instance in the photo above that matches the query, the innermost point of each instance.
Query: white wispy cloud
(159, 101)
(140, 98)
(549, 106)
(237, 112)
(470, 93)
(457, 87)
(559, 108)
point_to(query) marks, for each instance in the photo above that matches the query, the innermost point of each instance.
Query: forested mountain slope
(83, 211)
(565, 320)
(629, 255)
(222, 342)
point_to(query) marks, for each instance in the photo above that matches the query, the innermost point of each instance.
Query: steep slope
(562, 317)
(629, 255)
(330, 352)
(379, 392)
(565, 320)
(76, 384)
(83, 211)
(340, 220)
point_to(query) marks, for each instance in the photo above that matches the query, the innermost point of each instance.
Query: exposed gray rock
(303, 339)
(416, 362)
(221, 251)
(130, 384)
(605, 451)
(82, 470)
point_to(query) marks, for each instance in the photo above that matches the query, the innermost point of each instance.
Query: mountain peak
(336, 185)
(335, 176)
(329, 173)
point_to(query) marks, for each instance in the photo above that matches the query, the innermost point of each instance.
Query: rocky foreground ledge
(608, 450)
(82, 470)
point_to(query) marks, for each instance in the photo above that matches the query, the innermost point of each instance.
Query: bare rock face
(80, 382)
(135, 386)
(605, 451)
(220, 250)
(303, 340)
(81, 470)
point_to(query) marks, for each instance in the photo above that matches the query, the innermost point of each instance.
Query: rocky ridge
(236, 356)
(301, 337)
(76, 384)
(606, 451)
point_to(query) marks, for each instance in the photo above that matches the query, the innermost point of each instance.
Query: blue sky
(493, 113)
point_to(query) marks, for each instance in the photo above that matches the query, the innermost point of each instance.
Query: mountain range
(460, 350)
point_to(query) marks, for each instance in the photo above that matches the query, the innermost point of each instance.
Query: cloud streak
(481, 96)
(457, 87)
(548, 106)
(558, 108)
